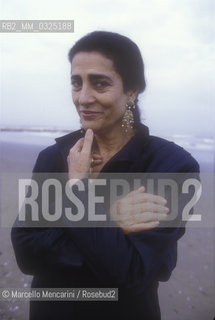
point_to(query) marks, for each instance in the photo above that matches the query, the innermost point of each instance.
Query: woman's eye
(100, 84)
(76, 84)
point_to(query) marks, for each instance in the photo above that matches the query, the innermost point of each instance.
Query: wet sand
(188, 295)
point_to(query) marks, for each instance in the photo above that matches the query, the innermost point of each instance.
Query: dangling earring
(82, 129)
(128, 118)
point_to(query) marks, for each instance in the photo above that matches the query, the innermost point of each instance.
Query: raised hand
(80, 157)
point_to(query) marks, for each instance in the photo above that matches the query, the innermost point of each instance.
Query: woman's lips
(89, 114)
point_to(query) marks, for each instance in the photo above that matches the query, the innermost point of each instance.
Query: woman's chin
(92, 127)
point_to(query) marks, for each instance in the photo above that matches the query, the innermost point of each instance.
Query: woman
(107, 75)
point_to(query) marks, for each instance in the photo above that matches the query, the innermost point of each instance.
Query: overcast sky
(176, 38)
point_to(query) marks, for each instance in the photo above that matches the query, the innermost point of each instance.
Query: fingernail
(89, 131)
(166, 209)
(156, 223)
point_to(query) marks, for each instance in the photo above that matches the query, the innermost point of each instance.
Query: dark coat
(104, 257)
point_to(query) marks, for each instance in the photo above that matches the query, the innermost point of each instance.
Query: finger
(148, 207)
(154, 198)
(147, 197)
(78, 146)
(136, 192)
(149, 217)
(96, 156)
(143, 196)
(96, 163)
(88, 141)
(141, 227)
(125, 208)
(153, 207)
(140, 218)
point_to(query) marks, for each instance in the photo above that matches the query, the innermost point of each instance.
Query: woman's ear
(132, 94)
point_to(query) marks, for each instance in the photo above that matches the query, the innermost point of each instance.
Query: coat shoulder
(53, 158)
(167, 154)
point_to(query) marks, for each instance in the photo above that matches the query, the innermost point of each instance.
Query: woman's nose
(85, 96)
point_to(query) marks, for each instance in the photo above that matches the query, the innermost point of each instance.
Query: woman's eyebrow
(75, 76)
(99, 77)
(93, 77)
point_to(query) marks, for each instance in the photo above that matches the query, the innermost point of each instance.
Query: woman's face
(97, 92)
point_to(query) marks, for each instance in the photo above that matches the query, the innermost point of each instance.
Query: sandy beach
(188, 295)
